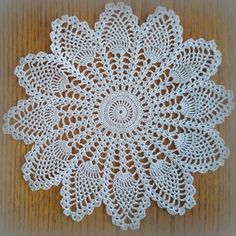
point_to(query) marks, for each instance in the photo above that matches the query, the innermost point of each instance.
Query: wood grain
(25, 28)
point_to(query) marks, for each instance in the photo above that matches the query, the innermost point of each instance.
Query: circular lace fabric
(121, 115)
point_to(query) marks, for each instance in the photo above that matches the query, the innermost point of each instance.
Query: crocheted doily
(122, 114)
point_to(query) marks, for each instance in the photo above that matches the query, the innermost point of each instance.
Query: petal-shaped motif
(206, 103)
(166, 182)
(31, 119)
(82, 185)
(171, 187)
(82, 190)
(195, 59)
(194, 149)
(200, 150)
(43, 73)
(72, 40)
(161, 35)
(46, 163)
(124, 192)
(200, 104)
(117, 28)
(151, 155)
(117, 37)
(37, 117)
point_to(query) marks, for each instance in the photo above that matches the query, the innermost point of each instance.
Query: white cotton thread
(121, 115)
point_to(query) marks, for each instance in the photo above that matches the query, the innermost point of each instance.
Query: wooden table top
(25, 27)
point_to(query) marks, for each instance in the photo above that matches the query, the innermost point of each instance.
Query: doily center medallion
(120, 112)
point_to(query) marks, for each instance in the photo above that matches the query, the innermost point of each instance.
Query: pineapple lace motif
(121, 115)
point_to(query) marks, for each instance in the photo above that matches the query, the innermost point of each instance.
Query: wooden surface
(25, 28)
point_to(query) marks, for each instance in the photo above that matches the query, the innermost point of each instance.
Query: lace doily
(122, 114)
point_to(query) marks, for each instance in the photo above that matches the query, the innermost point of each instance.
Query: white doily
(122, 114)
